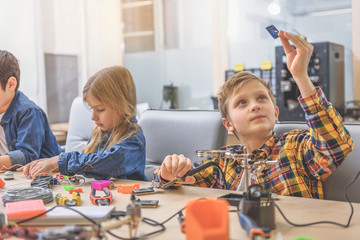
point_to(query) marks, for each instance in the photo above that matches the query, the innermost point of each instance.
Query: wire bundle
(29, 193)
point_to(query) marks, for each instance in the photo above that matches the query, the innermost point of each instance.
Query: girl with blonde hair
(117, 145)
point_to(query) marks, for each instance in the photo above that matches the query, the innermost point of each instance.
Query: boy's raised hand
(297, 60)
(176, 166)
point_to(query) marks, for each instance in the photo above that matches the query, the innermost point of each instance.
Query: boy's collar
(9, 110)
(268, 146)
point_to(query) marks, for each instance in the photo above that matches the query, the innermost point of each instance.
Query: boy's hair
(114, 87)
(9, 67)
(233, 84)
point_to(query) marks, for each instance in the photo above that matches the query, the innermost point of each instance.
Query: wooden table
(298, 210)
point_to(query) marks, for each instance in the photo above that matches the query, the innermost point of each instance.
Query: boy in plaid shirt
(248, 107)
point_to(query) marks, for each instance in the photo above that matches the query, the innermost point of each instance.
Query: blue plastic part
(273, 31)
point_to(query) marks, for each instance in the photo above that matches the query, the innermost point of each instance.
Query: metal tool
(189, 173)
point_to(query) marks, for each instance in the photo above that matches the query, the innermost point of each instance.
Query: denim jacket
(27, 132)
(125, 160)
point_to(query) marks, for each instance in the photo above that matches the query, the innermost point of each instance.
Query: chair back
(80, 126)
(170, 132)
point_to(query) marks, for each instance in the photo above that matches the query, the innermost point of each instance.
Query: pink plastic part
(99, 185)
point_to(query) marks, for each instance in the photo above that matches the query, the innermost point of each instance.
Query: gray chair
(80, 126)
(335, 185)
(180, 132)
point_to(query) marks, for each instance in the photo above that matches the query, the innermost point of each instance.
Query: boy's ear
(11, 84)
(227, 125)
(277, 113)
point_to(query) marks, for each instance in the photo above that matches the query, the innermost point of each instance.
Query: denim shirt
(124, 160)
(27, 132)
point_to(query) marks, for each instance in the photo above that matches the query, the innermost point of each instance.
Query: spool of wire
(29, 193)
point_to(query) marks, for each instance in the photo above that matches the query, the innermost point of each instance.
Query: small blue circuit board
(273, 31)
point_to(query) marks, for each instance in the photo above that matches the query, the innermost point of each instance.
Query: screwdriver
(189, 173)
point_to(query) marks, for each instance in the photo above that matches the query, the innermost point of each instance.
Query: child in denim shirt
(25, 134)
(117, 145)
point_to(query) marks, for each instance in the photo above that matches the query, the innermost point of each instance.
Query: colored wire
(29, 193)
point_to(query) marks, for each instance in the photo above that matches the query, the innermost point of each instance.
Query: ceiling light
(274, 8)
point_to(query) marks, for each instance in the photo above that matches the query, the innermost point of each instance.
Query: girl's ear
(227, 125)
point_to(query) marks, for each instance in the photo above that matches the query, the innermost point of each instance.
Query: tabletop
(297, 210)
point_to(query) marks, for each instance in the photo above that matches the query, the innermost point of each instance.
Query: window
(138, 20)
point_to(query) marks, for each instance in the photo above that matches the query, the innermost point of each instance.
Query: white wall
(18, 27)
(89, 29)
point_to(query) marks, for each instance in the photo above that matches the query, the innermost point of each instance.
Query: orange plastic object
(207, 219)
(25, 209)
(2, 183)
(127, 189)
(78, 190)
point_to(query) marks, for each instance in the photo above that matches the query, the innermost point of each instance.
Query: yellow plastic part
(266, 65)
(238, 67)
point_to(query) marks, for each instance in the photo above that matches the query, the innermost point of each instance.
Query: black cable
(326, 222)
(172, 216)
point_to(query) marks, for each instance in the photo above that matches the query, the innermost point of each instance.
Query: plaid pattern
(305, 157)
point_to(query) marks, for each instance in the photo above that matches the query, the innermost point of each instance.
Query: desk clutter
(204, 218)
(26, 207)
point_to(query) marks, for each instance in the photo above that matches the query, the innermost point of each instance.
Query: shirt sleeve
(30, 137)
(123, 160)
(328, 142)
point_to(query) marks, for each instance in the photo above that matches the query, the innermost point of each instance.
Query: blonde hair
(233, 84)
(113, 87)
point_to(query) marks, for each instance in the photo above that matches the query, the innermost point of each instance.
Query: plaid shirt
(305, 157)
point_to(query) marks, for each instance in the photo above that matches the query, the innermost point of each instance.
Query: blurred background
(180, 51)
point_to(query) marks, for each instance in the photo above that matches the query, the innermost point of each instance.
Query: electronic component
(232, 198)
(142, 191)
(133, 212)
(149, 203)
(76, 180)
(325, 70)
(273, 31)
